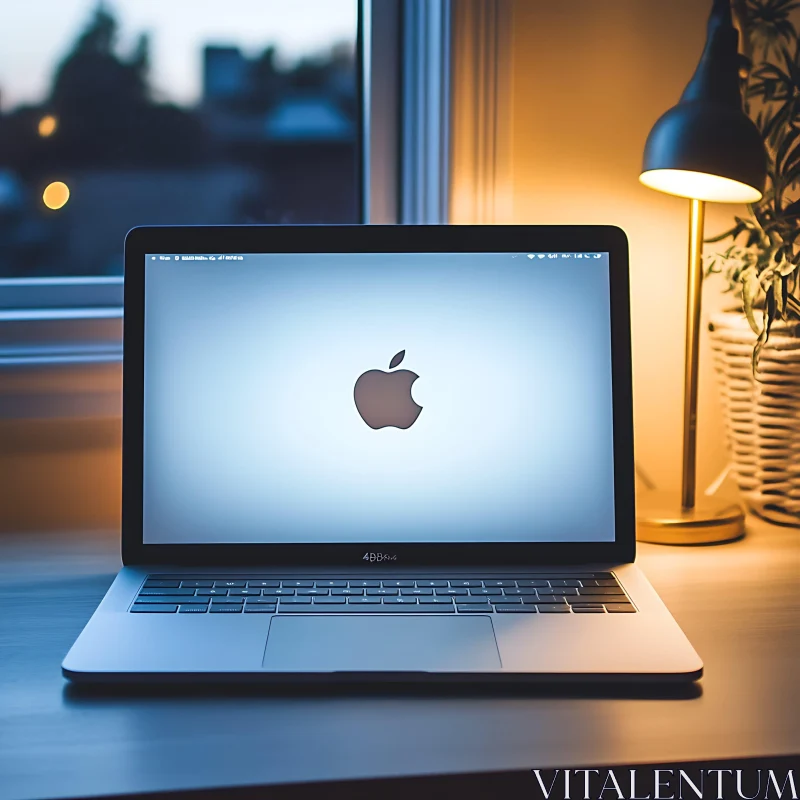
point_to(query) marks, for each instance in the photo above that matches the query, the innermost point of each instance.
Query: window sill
(60, 349)
(60, 321)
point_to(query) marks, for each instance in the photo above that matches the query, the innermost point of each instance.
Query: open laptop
(378, 453)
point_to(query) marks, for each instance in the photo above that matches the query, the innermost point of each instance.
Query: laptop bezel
(376, 239)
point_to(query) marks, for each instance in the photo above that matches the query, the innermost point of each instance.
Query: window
(136, 112)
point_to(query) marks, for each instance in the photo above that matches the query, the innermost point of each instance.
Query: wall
(589, 79)
(60, 474)
(60, 446)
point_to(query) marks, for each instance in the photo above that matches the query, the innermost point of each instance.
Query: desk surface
(738, 603)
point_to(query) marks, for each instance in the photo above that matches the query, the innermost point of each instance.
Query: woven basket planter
(762, 417)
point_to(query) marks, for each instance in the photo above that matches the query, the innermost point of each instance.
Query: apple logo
(384, 398)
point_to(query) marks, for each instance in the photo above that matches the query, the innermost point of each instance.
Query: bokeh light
(55, 195)
(47, 126)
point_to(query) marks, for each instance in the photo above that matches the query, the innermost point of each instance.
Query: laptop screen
(384, 397)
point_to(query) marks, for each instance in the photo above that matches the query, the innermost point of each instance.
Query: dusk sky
(36, 34)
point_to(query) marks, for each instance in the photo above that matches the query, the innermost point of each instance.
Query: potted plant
(757, 346)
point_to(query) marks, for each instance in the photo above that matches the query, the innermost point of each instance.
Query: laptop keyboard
(573, 593)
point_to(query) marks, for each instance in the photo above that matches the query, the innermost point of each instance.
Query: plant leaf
(763, 337)
(785, 267)
(750, 289)
(397, 359)
(777, 290)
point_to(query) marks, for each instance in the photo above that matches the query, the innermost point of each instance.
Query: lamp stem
(696, 223)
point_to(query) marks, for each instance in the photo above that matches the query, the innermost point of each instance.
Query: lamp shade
(706, 147)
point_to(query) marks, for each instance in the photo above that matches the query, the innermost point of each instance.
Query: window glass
(169, 112)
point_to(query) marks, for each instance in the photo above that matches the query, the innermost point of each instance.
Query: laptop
(378, 453)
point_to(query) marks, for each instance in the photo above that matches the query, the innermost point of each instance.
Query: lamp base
(661, 519)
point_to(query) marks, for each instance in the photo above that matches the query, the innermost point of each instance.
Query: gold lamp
(705, 149)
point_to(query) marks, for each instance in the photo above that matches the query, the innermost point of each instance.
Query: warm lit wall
(60, 474)
(60, 448)
(589, 79)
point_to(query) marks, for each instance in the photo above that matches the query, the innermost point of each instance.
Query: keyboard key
(601, 590)
(471, 608)
(277, 592)
(312, 592)
(542, 584)
(192, 608)
(225, 609)
(196, 584)
(231, 584)
(263, 584)
(161, 592)
(560, 590)
(244, 592)
(447, 601)
(620, 608)
(288, 601)
(165, 599)
(470, 600)
(254, 609)
(227, 601)
(151, 583)
(330, 584)
(432, 584)
(415, 592)
(503, 583)
(297, 584)
(562, 582)
(603, 582)
(466, 584)
(485, 592)
(555, 599)
(364, 601)
(594, 598)
(501, 608)
(330, 601)
(553, 609)
(261, 601)
(399, 600)
(359, 584)
(382, 592)
(347, 592)
(146, 608)
(450, 592)
(211, 593)
(398, 584)
(588, 610)
(496, 600)
(519, 592)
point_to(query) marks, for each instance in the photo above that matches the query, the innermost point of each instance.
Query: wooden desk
(738, 603)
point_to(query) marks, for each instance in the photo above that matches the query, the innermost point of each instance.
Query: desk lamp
(705, 149)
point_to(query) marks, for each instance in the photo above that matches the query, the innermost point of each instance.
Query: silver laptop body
(378, 453)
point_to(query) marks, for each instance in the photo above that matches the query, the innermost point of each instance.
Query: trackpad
(381, 644)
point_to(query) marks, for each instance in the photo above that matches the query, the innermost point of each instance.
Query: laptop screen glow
(364, 398)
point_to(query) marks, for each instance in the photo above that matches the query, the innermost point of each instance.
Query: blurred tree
(93, 74)
(106, 115)
(266, 79)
